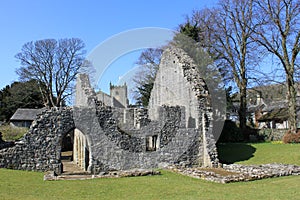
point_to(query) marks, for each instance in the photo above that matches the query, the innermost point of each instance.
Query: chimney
(258, 99)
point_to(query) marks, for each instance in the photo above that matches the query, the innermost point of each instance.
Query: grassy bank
(12, 133)
(30, 185)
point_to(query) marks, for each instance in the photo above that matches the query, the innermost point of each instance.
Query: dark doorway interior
(67, 146)
(67, 151)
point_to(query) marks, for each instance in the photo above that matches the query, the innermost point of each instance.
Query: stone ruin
(108, 135)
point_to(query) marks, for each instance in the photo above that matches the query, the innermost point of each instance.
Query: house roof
(25, 114)
(277, 114)
(275, 105)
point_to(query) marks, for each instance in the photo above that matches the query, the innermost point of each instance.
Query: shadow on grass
(234, 152)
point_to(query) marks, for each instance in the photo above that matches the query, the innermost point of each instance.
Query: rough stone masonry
(176, 128)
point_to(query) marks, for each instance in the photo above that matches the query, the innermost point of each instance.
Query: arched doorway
(67, 146)
(75, 152)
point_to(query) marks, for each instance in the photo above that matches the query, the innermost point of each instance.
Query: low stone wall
(50, 176)
(271, 134)
(238, 173)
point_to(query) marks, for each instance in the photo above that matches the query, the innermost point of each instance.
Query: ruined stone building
(106, 134)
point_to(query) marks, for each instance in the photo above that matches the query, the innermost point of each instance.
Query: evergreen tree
(19, 95)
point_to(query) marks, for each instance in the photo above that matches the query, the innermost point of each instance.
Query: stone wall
(178, 82)
(113, 148)
(271, 134)
(40, 148)
(173, 86)
(109, 147)
(150, 144)
(85, 95)
(104, 98)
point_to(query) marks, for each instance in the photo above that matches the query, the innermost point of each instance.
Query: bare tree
(149, 61)
(229, 29)
(279, 34)
(205, 20)
(54, 64)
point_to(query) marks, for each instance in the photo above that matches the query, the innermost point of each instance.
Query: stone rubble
(238, 173)
(50, 176)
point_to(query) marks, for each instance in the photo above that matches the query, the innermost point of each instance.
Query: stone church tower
(119, 96)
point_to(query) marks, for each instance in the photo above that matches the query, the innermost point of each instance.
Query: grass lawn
(259, 153)
(30, 185)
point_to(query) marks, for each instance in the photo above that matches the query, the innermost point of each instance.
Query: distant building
(267, 107)
(275, 115)
(24, 117)
(117, 98)
(271, 113)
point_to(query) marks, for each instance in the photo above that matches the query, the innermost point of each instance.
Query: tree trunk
(291, 97)
(243, 111)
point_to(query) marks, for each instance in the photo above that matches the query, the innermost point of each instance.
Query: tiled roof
(25, 114)
(277, 114)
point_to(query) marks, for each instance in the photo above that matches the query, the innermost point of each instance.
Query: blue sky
(92, 21)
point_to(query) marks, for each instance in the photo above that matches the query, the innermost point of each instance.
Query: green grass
(259, 153)
(30, 185)
(12, 133)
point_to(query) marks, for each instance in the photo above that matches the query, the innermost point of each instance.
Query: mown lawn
(259, 153)
(30, 185)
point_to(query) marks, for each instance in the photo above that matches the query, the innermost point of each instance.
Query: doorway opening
(74, 153)
(67, 146)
